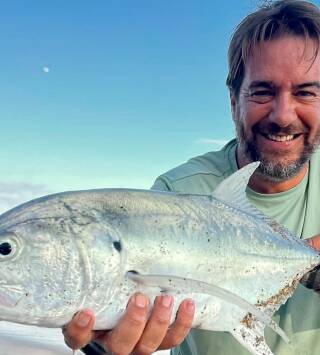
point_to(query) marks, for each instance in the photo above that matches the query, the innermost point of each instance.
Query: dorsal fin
(232, 190)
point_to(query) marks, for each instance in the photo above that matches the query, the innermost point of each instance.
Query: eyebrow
(315, 84)
(261, 84)
(270, 85)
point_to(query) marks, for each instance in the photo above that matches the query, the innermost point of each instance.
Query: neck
(263, 185)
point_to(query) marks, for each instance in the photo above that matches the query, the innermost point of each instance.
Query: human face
(277, 112)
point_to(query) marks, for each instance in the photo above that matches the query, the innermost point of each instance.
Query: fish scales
(95, 248)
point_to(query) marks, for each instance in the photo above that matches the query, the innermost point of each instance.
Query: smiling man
(277, 109)
(274, 83)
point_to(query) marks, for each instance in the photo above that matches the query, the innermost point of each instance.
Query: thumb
(314, 242)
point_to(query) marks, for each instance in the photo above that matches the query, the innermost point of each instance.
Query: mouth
(281, 137)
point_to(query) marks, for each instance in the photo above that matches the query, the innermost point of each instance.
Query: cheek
(310, 118)
(250, 114)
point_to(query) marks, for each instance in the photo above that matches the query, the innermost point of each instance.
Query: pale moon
(46, 69)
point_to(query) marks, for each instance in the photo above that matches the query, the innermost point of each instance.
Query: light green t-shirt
(299, 210)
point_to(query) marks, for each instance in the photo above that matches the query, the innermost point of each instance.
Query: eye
(306, 94)
(261, 96)
(5, 248)
(8, 246)
(261, 93)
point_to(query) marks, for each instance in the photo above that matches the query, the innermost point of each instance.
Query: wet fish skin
(74, 250)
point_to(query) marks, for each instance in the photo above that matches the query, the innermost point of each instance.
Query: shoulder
(315, 160)
(201, 174)
(314, 174)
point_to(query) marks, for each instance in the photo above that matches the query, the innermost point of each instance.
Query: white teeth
(280, 138)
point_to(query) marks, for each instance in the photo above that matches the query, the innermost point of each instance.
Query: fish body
(93, 249)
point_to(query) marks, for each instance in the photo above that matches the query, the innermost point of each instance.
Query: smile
(281, 138)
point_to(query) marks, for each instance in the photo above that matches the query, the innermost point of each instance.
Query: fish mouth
(11, 295)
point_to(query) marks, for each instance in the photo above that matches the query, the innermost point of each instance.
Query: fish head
(40, 270)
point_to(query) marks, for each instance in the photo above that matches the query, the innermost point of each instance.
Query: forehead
(287, 60)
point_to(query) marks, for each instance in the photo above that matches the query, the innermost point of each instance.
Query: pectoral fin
(174, 283)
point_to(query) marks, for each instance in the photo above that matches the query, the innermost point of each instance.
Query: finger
(314, 242)
(156, 327)
(181, 327)
(78, 332)
(123, 338)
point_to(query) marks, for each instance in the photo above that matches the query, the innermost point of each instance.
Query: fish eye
(8, 246)
(5, 248)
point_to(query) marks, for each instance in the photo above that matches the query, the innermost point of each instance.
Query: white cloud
(219, 142)
(46, 69)
(13, 194)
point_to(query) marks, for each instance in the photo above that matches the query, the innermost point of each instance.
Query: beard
(273, 166)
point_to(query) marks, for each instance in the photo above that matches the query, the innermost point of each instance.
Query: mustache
(274, 128)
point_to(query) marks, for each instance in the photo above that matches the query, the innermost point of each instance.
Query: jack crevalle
(93, 249)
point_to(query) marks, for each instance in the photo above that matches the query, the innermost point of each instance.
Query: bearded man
(274, 84)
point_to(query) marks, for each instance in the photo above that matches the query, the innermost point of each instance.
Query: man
(274, 83)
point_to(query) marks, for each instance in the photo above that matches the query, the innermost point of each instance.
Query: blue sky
(110, 93)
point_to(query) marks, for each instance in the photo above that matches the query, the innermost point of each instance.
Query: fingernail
(166, 301)
(140, 300)
(83, 318)
(190, 307)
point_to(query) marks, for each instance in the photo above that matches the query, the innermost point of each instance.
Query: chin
(279, 171)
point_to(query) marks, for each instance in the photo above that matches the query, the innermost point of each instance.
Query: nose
(283, 111)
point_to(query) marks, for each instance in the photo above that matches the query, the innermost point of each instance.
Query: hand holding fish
(134, 333)
(314, 242)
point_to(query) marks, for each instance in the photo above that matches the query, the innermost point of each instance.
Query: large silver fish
(93, 249)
